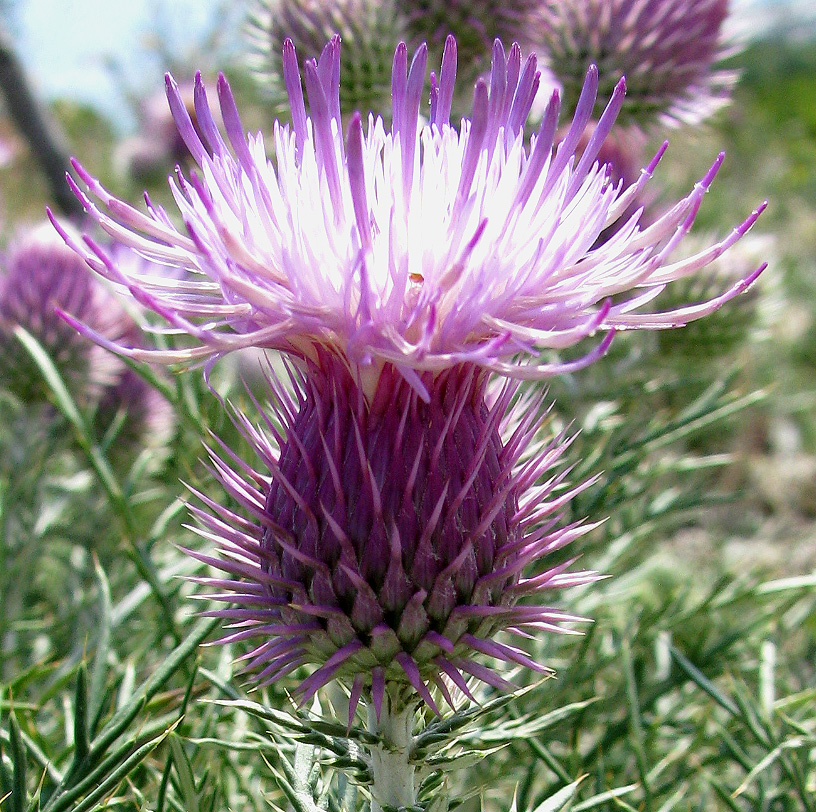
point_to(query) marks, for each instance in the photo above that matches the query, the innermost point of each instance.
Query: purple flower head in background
(401, 496)
(39, 274)
(665, 48)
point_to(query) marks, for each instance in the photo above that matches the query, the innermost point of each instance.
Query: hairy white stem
(394, 780)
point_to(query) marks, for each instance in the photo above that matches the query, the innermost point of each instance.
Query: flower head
(383, 540)
(424, 246)
(666, 49)
(40, 274)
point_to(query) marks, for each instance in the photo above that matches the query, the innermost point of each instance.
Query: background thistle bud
(157, 146)
(40, 274)
(666, 49)
(727, 330)
(475, 24)
(369, 29)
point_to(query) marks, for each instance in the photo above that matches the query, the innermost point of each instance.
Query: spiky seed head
(666, 49)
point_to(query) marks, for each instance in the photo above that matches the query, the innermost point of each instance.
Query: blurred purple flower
(157, 146)
(399, 500)
(40, 273)
(666, 49)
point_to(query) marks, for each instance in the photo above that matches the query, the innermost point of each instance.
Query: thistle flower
(383, 541)
(665, 48)
(40, 273)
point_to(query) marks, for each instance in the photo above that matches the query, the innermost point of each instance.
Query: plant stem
(393, 783)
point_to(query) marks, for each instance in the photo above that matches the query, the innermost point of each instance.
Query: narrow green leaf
(117, 776)
(5, 779)
(188, 691)
(723, 794)
(700, 679)
(806, 698)
(99, 669)
(769, 758)
(35, 754)
(561, 801)
(99, 463)
(165, 781)
(67, 405)
(751, 717)
(603, 797)
(156, 682)
(18, 761)
(531, 725)
(184, 771)
(110, 765)
(544, 754)
(806, 582)
(635, 718)
(288, 783)
(81, 742)
(122, 718)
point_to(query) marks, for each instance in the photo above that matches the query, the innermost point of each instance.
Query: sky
(95, 50)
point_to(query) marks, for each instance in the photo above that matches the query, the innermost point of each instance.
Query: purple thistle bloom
(424, 247)
(399, 501)
(666, 49)
(41, 274)
(42, 277)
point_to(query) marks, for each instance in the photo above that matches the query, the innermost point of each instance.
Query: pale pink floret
(426, 246)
